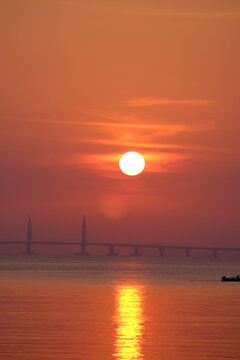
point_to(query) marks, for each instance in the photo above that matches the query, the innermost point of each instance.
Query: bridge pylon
(28, 251)
(84, 238)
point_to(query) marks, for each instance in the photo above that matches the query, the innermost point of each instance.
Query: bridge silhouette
(83, 244)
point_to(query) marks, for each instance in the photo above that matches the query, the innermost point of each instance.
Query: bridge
(83, 244)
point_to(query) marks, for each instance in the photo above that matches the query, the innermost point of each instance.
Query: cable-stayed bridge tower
(29, 237)
(84, 238)
(83, 244)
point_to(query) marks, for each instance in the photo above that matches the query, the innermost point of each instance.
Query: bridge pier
(187, 252)
(161, 251)
(111, 251)
(29, 239)
(83, 251)
(215, 253)
(136, 251)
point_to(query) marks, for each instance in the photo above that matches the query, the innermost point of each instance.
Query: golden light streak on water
(129, 321)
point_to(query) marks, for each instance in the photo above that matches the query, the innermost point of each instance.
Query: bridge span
(83, 245)
(113, 246)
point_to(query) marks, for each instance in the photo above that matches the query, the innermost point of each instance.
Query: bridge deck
(153, 246)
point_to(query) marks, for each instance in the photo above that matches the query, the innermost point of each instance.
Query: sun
(132, 163)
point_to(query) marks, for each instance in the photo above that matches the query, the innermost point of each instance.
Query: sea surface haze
(118, 308)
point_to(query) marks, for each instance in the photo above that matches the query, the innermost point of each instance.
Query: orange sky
(82, 82)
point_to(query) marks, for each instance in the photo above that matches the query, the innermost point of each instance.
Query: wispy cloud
(200, 14)
(228, 11)
(131, 135)
(162, 128)
(146, 101)
(151, 146)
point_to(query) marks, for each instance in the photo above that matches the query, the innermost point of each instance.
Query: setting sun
(132, 163)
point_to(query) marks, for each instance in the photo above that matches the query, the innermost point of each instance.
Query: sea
(118, 308)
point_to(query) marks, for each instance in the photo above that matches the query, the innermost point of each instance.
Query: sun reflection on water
(129, 321)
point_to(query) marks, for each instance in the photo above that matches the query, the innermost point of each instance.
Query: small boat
(237, 278)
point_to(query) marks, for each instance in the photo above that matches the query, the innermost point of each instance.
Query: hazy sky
(82, 82)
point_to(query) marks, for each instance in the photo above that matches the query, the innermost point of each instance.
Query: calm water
(102, 308)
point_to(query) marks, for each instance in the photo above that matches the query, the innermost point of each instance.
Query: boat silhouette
(237, 278)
